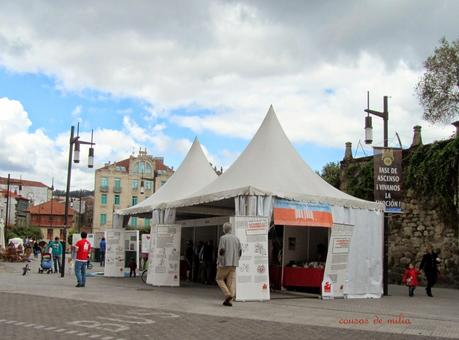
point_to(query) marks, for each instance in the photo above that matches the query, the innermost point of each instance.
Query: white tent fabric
(364, 268)
(270, 166)
(193, 174)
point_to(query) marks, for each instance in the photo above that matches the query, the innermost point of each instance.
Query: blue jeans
(80, 272)
(57, 263)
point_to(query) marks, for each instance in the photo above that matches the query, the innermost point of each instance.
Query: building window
(50, 234)
(117, 183)
(135, 184)
(146, 222)
(103, 219)
(133, 221)
(117, 200)
(134, 200)
(143, 167)
(104, 183)
(148, 185)
(103, 199)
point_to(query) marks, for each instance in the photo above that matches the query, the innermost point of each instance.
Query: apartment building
(125, 183)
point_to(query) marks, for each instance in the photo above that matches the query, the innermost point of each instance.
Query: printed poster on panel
(114, 254)
(302, 213)
(337, 257)
(164, 257)
(252, 275)
(145, 243)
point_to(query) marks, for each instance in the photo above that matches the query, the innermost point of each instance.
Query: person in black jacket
(429, 266)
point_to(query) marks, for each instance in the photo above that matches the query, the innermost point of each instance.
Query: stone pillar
(417, 138)
(348, 151)
(456, 125)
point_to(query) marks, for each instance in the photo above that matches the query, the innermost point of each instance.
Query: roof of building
(52, 207)
(12, 194)
(159, 164)
(23, 182)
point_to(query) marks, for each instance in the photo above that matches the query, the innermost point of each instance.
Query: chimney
(456, 125)
(417, 138)
(348, 151)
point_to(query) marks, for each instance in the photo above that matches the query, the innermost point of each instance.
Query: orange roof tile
(52, 207)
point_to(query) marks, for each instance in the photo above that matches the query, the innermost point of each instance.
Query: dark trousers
(132, 272)
(102, 258)
(431, 280)
(411, 290)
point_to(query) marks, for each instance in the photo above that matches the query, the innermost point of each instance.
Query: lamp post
(74, 142)
(368, 140)
(142, 187)
(7, 204)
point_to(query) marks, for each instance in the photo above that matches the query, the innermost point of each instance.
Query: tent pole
(283, 259)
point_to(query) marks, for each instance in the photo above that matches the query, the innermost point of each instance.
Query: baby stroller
(46, 264)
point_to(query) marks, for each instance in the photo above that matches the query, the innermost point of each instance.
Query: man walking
(429, 265)
(55, 247)
(102, 247)
(82, 249)
(229, 252)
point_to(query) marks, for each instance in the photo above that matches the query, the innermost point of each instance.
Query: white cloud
(224, 63)
(27, 153)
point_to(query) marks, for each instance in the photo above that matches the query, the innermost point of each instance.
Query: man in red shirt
(82, 249)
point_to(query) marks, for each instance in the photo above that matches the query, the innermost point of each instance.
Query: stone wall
(422, 222)
(412, 230)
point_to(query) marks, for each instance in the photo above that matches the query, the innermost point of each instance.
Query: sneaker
(78, 285)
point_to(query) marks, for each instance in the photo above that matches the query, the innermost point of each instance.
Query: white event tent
(269, 169)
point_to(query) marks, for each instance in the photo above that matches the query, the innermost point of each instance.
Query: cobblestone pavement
(35, 317)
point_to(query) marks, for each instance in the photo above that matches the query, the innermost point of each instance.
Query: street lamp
(7, 204)
(368, 140)
(368, 124)
(75, 142)
(142, 187)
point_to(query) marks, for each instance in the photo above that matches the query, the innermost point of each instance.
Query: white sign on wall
(337, 257)
(114, 254)
(252, 275)
(164, 256)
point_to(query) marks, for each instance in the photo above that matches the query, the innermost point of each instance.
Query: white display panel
(164, 257)
(252, 275)
(337, 259)
(114, 254)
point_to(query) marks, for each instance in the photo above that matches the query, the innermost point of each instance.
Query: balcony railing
(104, 188)
(116, 190)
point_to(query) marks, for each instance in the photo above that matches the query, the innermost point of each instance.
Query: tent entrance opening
(199, 247)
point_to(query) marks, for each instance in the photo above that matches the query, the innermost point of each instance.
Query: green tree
(331, 173)
(24, 232)
(438, 89)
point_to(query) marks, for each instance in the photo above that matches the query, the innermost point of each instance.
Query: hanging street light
(74, 145)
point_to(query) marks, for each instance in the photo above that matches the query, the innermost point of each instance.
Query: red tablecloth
(303, 277)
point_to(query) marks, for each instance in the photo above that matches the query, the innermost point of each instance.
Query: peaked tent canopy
(194, 173)
(270, 165)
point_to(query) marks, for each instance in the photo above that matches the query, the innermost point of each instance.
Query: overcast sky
(156, 74)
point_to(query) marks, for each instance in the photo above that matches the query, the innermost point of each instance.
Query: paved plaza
(46, 306)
